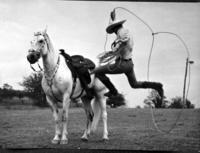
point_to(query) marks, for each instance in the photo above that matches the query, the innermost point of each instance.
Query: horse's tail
(97, 114)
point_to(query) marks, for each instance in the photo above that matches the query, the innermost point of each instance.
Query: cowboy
(122, 47)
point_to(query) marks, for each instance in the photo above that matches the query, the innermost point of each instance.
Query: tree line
(32, 88)
(154, 100)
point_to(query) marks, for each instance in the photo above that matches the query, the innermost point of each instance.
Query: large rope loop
(148, 65)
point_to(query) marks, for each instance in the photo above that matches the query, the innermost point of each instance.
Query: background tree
(6, 86)
(154, 98)
(7, 91)
(177, 102)
(189, 104)
(138, 107)
(116, 101)
(32, 85)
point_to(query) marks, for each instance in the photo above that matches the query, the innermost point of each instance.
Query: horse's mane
(49, 42)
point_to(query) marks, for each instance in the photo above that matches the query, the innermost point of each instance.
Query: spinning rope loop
(38, 71)
(148, 65)
(107, 57)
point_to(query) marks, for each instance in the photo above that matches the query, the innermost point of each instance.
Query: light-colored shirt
(123, 44)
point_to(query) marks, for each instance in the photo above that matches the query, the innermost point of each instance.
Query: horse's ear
(37, 33)
(45, 30)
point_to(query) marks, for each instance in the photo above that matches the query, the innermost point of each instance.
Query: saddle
(79, 67)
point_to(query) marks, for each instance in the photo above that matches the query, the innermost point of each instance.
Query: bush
(138, 107)
(9, 95)
(154, 98)
(116, 101)
(32, 85)
(177, 102)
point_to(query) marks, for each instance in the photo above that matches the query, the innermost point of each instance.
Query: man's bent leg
(106, 81)
(100, 73)
(144, 84)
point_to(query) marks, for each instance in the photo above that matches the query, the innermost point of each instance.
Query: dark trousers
(123, 66)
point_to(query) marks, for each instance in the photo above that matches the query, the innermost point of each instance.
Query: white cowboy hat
(113, 24)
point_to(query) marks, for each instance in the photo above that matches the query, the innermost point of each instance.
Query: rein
(50, 79)
(41, 70)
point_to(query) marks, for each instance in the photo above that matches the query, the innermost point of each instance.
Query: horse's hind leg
(102, 101)
(99, 108)
(54, 108)
(89, 115)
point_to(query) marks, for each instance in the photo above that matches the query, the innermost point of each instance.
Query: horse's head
(39, 47)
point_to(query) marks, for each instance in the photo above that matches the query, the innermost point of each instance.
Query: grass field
(128, 129)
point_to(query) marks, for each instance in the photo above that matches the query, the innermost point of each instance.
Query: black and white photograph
(100, 75)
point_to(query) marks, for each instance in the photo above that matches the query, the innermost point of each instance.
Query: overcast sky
(79, 28)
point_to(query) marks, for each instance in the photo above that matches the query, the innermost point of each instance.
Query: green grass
(128, 129)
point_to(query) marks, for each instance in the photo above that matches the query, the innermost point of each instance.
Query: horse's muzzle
(33, 57)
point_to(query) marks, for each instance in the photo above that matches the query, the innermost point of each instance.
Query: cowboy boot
(154, 85)
(106, 81)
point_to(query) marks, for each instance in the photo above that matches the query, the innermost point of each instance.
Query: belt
(123, 59)
(126, 59)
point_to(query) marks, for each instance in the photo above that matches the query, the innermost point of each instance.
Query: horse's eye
(41, 41)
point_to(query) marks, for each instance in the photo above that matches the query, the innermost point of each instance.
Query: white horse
(57, 84)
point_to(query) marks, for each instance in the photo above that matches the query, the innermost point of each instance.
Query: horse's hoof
(84, 139)
(64, 142)
(55, 141)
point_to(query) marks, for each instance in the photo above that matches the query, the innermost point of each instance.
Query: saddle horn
(113, 15)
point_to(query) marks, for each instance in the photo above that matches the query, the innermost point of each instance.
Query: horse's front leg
(54, 108)
(65, 114)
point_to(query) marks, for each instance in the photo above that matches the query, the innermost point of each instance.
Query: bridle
(37, 51)
(49, 79)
